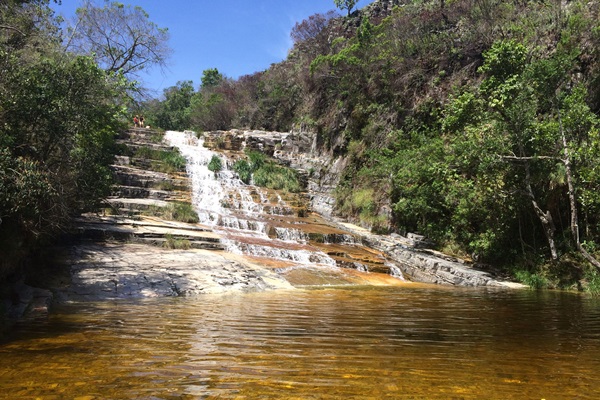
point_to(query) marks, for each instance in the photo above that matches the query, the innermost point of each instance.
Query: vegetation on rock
(215, 164)
(174, 211)
(167, 161)
(267, 173)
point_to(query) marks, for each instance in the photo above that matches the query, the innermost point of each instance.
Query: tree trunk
(544, 217)
(572, 198)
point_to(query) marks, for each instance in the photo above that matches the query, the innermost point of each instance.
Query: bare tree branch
(121, 38)
(12, 28)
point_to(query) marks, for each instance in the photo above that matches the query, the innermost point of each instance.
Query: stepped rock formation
(130, 254)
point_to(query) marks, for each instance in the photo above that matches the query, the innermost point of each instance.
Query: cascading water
(239, 221)
(259, 223)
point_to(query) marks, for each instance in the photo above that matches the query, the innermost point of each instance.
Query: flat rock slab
(428, 266)
(118, 227)
(119, 270)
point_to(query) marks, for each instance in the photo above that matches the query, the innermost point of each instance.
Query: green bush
(593, 284)
(167, 161)
(534, 280)
(215, 165)
(273, 176)
(267, 173)
(257, 160)
(176, 211)
(244, 170)
(173, 161)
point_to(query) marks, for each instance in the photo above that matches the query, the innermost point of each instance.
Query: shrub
(176, 243)
(257, 160)
(176, 211)
(593, 284)
(276, 177)
(244, 170)
(534, 280)
(215, 165)
(167, 161)
(267, 173)
(173, 161)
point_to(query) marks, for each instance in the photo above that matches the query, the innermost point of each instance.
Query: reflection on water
(413, 342)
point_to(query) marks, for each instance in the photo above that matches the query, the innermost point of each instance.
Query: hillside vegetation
(59, 114)
(474, 122)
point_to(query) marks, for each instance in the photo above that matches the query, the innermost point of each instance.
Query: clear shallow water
(349, 343)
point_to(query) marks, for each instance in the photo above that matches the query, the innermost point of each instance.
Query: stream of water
(414, 342)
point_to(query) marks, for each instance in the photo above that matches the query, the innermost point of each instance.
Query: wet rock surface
(425, 265)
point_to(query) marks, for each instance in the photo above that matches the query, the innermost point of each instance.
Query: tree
(59, 114)
(345, 4)
(120, 38)
(311, 27)
(213, 106)
(211, 78)
(528, 131)
(17, 27)
(173, 111)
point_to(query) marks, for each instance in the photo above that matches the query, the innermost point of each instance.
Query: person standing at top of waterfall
(136, 122)
(142, 122)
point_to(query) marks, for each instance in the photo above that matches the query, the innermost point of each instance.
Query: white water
(395, 271)
(241, 216)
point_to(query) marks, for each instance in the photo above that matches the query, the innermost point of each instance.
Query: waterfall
(260, 223)
(225, 203)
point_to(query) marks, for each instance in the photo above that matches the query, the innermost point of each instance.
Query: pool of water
(412, 342)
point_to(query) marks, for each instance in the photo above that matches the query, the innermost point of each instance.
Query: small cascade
(303, 257)
(207, 191)
(291, 235)
(236, 223)
(260, 223)
(337, 238)
(395, 271)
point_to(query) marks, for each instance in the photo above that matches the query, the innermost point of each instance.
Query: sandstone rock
(121, 270)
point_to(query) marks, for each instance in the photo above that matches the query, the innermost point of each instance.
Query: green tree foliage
(347, 5)
(58, 117)
(172, 113)
(211, 77)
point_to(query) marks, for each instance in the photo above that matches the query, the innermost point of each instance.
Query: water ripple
(367, 343)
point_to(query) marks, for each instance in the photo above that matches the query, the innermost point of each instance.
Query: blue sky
(237, 37)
